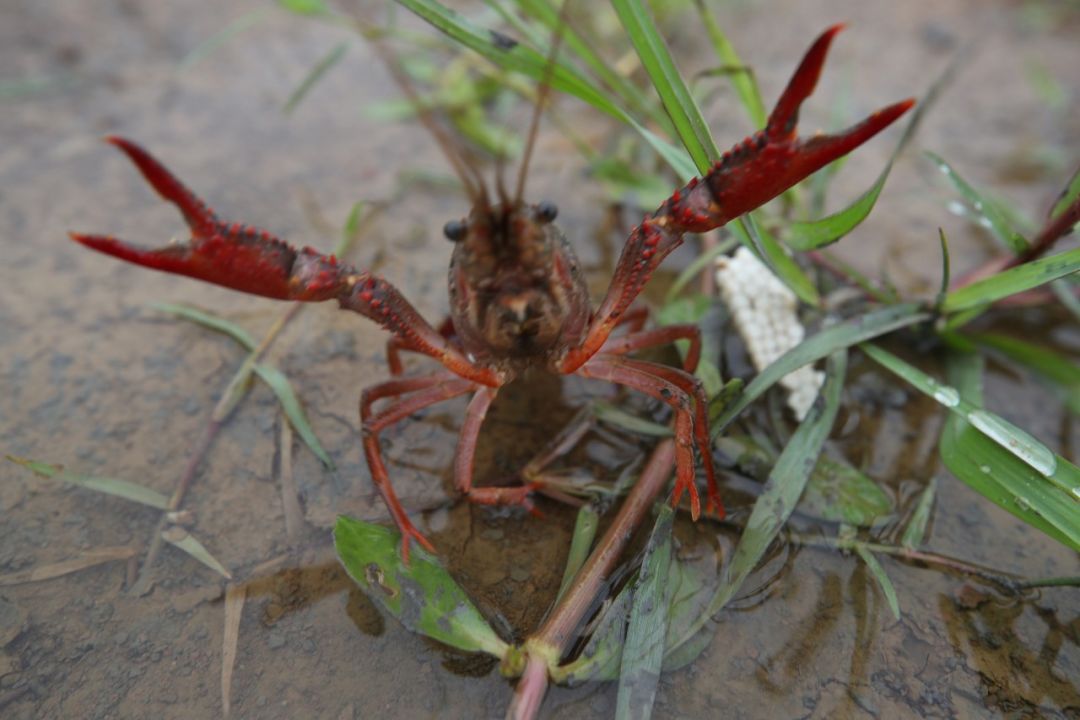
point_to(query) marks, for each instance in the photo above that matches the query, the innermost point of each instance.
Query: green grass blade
(643, 650)
(421, 595)
(290, 405)
(208, 320)
(883, 581)
(1043, 486)
(608, 413)
(987, 210)
(109, 486)
(813, 234)
(782, 265)
(825, 342)
(546, 12)
(994, 472)
(744, 82)
(180, 538)
(221, 38)
(1070, 195)
(529, 62)
(585, 527)
(773, 507)
(680, 104)
(1012, 281)
(317, 73)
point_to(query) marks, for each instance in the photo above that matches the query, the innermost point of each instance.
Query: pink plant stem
(546, 647)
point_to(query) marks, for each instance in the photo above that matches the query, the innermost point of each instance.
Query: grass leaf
(643, 650)
(986, 210)
(882, 579)
(290, 404)
(1007, 465)
(585, 527)
(916, 527)
(316, 73)
(421, 595)
(679, 103)
(109, 486)
(775, 256)
(182, 539)
(813, 234)
(208, 320)
(1012, 281)
(836, 337)
(773, 507)
(743, 78)
(88, 559)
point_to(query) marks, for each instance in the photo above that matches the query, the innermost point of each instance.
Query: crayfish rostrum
(517, 296)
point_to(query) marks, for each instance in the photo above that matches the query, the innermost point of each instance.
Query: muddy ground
(95, 379)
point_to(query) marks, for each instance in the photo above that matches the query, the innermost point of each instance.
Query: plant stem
(547, 645)
(1005, 581)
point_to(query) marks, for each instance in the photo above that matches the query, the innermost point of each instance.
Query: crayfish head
(516, 289)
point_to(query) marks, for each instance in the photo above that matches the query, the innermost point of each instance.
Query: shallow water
(96, 380)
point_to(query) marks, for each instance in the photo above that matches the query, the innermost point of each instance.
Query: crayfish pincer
(517, 295)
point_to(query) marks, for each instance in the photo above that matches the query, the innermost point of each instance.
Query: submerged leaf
(987, 210)
(838, 492)
(882, 579)
(916, 527)
(643, 652)
(421, 594)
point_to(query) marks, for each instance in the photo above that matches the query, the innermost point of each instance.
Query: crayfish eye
(546, 211)
(455, 230)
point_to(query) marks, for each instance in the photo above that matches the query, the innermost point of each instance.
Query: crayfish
(517, 295)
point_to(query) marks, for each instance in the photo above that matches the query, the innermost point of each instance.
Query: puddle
(95, 379)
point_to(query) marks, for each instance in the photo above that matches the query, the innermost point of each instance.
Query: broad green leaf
(643, 650)
(848, 333)
(1007, 465)
(838, 492)
(916, 527)
(182, 539)
(679, 103)
(989, 214)
(882, 579)
(1012, 281)
(772, 508)
(316, 73)
(109, 486)
(421, 595)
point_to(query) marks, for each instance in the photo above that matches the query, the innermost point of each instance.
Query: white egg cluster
(764, 311)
